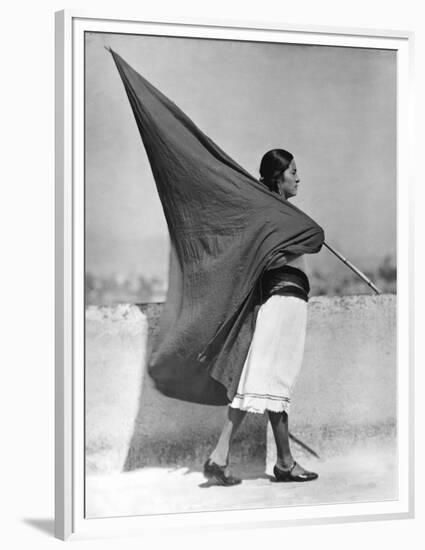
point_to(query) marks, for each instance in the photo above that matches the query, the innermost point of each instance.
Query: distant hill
(137, 271)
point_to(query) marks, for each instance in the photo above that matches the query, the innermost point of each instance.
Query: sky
(334, 108)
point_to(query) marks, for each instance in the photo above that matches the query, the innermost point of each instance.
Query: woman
(226, 230)
(275, 354)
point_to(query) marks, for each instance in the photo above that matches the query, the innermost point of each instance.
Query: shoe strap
(289, 470)
(293, 467)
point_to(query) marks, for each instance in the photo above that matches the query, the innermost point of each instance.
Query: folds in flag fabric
(225, 229)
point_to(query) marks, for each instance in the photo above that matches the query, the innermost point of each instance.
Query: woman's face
(288, 182)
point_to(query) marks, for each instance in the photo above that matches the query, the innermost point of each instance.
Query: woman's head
(278, 172)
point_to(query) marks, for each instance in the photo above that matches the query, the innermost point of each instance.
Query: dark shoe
(216, 472)
(287, 475)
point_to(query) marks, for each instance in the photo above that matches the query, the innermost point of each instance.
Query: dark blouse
(285, 281)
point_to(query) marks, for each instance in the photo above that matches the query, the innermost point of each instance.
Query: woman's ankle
(220, 460)
(285, 463)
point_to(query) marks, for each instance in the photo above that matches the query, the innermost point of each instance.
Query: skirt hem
(260, 406)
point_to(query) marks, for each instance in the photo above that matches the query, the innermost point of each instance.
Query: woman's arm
(284, 258)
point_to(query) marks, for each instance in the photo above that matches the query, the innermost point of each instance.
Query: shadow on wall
(172, 432)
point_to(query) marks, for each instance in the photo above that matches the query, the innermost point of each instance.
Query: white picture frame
(70, 522)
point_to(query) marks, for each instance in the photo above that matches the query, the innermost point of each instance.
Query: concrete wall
(346, 390)
(115, 350)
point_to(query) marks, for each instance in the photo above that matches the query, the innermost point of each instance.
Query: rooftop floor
(364, 474)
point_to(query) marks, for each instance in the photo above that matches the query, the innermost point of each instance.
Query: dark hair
(272, 164)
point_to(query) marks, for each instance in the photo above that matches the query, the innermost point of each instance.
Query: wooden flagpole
(353, 268)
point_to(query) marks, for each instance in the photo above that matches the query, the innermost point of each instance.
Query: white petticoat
(275, 356)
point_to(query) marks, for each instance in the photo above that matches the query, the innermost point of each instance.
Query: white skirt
(275, 356)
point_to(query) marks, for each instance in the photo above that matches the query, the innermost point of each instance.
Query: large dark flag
(225, 229)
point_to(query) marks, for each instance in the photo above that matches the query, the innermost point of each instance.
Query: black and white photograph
(212, 272)
(240, 274)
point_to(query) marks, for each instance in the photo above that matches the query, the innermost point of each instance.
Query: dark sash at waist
(285, 281)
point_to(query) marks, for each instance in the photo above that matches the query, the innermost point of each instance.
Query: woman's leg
(279, 422)
(234, 419)
(290, 470)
